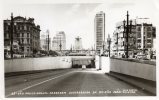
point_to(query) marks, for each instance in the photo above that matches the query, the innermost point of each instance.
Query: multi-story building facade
(78, 43)
(145, 35)
(99, 22)
(140, 38)
(59, 41)
(26, 34)
(119, 39)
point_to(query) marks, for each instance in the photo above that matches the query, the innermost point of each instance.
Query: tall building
(26, 35)
(44, 42)
(140, 38)
(78, 43)
(59, 41)
(99, 22)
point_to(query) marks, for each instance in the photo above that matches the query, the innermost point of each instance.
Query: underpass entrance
(81, 62)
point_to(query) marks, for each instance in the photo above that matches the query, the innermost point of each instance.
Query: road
(68, 83)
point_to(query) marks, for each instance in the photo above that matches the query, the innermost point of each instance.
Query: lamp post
(109, 41)
(48, 41)
(117, 43)
(11, 35)
(60, 44)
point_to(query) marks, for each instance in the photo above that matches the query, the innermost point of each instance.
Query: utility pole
(130, 29)
(124, 35)
(127, 35)
(11, 35)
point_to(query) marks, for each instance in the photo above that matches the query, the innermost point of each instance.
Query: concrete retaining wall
(145, 71)
(31, 64)
(136, 69)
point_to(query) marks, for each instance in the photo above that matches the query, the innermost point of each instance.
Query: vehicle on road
(142, 56)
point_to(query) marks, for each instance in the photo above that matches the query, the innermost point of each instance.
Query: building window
(22, 41)
(139, 35)
(18, 27)
(28, 28)
(139, 29)
(8, 23)
(28, 35)
(139, 41)
(22, 34)
(139, 46)
(149, 35)
(6, 28)
(25, 27)
(7, 36)
(18, 35)
(28, 41)
(148, 28)
(28, 49)
(148, 45)
(148, 41)
(22, 48)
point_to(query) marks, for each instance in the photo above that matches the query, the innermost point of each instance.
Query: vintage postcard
(79, 49)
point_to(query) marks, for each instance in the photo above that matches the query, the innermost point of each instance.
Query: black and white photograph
(79, 49)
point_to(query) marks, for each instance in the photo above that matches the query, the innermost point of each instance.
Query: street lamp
(48, 41)
(127, 35)
(124, 35)
(109, 41)
(103, 46)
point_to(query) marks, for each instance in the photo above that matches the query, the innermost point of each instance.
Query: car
(142, 56)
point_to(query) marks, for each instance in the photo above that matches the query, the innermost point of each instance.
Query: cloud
(73, 9)
(120, 5)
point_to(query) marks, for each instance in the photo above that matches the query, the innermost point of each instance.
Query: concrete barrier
(136, 69)
(31, 64)
(102, 63)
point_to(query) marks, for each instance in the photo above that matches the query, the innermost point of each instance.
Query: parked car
(142, 56)
(18, 56)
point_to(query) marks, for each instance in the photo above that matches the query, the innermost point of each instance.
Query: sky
(77, 18)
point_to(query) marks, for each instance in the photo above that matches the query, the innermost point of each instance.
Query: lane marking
(38, 84)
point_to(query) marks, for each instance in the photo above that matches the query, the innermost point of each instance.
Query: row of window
(148, 35)
(21, 27)
(145, 28)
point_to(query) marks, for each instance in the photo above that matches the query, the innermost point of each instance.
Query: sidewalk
(145, 85)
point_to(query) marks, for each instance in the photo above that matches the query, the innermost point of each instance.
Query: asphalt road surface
(68, 83)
